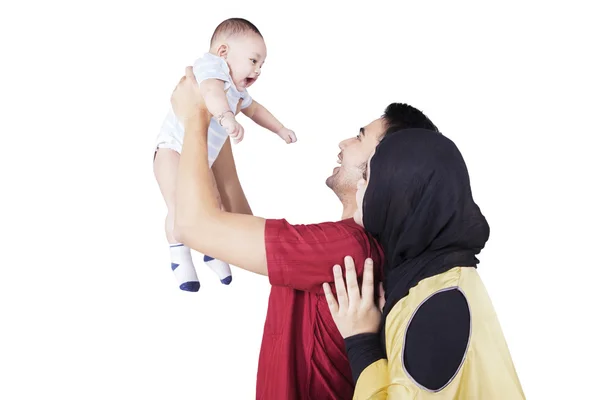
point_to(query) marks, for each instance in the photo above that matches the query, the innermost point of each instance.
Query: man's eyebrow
(362, 131)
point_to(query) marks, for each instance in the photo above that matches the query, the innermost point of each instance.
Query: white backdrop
(89, 308)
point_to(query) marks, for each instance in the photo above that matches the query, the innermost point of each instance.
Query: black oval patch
(437, 338)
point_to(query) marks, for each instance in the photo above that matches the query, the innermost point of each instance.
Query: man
(302, 354)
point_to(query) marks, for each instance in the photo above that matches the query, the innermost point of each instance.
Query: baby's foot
(221, 268)
(183, 267)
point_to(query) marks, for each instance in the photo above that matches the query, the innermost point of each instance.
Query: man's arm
(200, 224)
(232, 195)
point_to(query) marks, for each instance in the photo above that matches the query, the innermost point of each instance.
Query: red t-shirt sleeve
(302, 256)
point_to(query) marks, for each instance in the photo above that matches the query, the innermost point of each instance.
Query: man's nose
(343, 144)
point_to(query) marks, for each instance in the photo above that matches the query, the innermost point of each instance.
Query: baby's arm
(213, 92)
(259, 114)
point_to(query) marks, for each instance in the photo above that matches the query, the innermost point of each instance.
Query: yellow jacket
(486, 371)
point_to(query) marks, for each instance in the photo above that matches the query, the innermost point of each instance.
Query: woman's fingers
(333, 305)
(349, 295)
(368, 290)
(340, 288)
(352, 283)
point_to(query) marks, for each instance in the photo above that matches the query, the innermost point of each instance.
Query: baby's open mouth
(249, 81)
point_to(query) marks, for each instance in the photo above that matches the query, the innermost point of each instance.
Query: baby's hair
(233, 26)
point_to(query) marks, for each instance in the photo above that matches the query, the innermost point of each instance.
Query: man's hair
(233, 26)
(399, 116)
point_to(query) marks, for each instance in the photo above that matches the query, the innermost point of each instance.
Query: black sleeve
(437, 338)
(363, 350)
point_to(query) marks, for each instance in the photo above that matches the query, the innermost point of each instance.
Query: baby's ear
(222, 51)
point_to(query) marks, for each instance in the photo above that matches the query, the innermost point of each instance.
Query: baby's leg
(166, 162)
(221, 268)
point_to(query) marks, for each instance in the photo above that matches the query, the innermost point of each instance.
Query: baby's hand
(287, 134)
(233, 128)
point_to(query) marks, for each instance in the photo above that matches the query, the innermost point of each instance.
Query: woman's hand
(353, 312)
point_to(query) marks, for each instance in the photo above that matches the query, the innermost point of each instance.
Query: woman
(440, 337)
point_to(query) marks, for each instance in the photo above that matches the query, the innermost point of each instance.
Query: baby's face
(245, 57)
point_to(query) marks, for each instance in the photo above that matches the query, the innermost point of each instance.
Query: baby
(233, 64)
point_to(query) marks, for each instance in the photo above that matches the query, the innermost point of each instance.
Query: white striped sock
(183, 268)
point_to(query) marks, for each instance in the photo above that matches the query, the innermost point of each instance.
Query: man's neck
(348, 208)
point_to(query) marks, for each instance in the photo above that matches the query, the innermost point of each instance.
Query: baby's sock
(183, 267)
(221, 268)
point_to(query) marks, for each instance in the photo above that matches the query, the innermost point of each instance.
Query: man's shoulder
(346, 223)
(341, 229)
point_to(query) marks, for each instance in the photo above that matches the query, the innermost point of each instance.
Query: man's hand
(187, 101)
(233, 128)
(287, 134)
(353, 312)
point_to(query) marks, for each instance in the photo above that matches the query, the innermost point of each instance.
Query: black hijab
(419, 206)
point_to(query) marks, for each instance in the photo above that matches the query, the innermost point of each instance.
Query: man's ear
(223, 50)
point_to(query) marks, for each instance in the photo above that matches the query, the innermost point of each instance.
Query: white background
(89, 308)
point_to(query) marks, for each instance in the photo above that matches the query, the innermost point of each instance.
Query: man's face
(353, 157)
